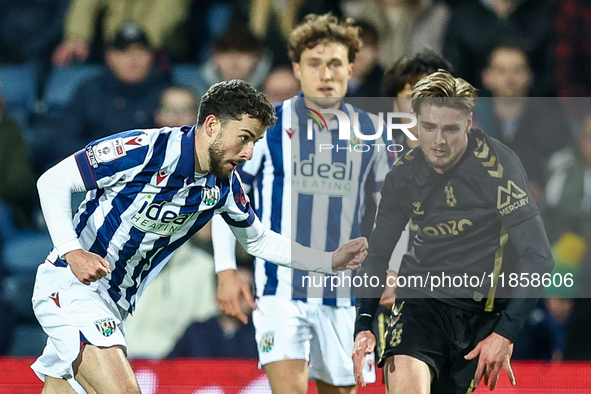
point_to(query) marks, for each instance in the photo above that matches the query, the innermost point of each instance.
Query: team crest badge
(267, 341)
(210, 196)
(396, 337)
(106, 326)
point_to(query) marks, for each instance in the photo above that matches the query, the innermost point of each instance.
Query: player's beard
(216, 156)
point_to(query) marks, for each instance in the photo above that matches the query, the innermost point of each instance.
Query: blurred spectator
(7, 318)
(162, 20)
(477, 26)
(221, 336)
(178, 107)
(17, 179)
(399, 80)
(237, 54)
(125, 96)
(182, 293)
(568, 190)
(30, 29)
(573, 49)
(273, 20)
(533, 128)
(567, 216)
(404, 26)
(281, 85)
(367, 73)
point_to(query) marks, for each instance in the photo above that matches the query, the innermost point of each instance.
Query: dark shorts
(439, 335)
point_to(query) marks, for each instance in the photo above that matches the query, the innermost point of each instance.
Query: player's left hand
(494, 353)
(231, 288)
(350, 255)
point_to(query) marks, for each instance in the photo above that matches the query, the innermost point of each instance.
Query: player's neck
(201, 152)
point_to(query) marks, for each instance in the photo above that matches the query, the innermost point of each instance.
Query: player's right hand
(350, 255)
(365, 342)
(388, 298)
(230, 288)
(88, 267)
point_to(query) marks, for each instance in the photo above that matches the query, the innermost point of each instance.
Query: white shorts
(320, 334)
(72, 313)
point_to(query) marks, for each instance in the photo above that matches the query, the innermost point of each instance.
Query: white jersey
(315, 196)
(146, 200)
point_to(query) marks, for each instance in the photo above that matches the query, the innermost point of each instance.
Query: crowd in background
(73, 71)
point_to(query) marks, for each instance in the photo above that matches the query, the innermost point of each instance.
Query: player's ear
(470, 121)
(296, 70)
(212, 125)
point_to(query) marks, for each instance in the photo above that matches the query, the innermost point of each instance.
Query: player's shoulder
(407, 161)
(492, 156)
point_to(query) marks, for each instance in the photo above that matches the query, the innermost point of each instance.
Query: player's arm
(259, 241)
(526, 231)
(231, 288)
(495, 351)
(389, 224)
(55, 188)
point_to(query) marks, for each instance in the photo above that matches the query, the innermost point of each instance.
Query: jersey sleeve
(505, 184)
(104, 162)
(237, 211)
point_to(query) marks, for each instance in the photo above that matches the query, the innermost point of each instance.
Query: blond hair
(318, 29)
(443, 90)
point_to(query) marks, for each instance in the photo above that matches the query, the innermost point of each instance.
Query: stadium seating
(62, 82)
(185, 75)
(18, 87)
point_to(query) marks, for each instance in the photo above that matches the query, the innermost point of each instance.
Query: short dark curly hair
(410, 69)
(317, 29)
(233, 99)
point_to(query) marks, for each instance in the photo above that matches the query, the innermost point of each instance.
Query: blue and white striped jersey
(144, 201)
(314, 196)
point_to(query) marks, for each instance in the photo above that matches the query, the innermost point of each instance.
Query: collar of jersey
(187, 165)
(302, 111)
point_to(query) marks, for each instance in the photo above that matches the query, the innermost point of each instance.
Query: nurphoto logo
(391, 121)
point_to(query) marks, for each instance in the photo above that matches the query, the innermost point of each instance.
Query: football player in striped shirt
(149, 191)
(317, 197)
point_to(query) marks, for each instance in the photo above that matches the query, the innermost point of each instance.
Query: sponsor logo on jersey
(267, 341)
(109, 150)
(161, 218)
(290, 132)
(91, 157)
(313, 176)
(510, 198)
(453, 227)
(106, 326)
(240, 199)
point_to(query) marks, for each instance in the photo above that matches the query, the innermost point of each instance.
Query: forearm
(55, 189)
(275, 248)
(224, 245)
(532, 245)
